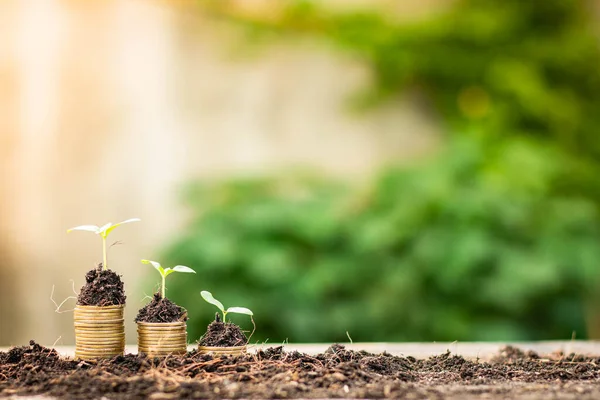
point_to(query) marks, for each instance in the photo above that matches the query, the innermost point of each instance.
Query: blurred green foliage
(498, 238)
(503, 68)
(467, 247)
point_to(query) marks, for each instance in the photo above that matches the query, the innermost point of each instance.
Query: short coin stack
(160, 339)
(99, 331)
(225, 351)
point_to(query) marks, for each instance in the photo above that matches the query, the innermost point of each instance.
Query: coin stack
(99, 331)
(162, 338)
(230, 351)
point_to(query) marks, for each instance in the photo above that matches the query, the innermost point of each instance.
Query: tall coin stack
(99, 331)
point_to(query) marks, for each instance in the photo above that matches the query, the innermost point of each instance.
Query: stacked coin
(231, 351)
(162, 338)
(99, 331)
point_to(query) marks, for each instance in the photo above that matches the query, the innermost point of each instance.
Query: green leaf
(102, 230)
(89, 228)
(108, 228)
(208, 297)
(156, 265)
(239, 310)
(183, 268)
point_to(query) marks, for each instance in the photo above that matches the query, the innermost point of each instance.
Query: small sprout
(164, 272)
(103, 231)
(208, 297)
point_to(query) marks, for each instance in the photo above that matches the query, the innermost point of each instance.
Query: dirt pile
(161, 310)
(102, 288)
(219, 334)
(274, 373)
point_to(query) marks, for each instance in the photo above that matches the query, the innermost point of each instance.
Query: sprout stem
(162, 288)
(105, 267)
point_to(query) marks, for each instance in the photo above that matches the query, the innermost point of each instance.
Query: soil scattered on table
(274, 373)
(161, 310)
(219, 334)
(102, 288)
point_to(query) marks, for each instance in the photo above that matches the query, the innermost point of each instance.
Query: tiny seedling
(164, 272)
(103, 231)
(208, 297)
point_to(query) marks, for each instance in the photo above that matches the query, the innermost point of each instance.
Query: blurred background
(380, 170)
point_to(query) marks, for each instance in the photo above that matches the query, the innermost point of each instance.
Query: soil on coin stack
(161, 310)
(219, 334)
(102, 288)
(274, 373)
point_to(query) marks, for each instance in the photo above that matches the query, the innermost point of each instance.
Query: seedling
(208, 297)
(103, 231)
(164, 272)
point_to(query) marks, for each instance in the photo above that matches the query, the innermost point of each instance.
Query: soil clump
(102, 288)
(161, 310)
(220, 334)
(275, 373)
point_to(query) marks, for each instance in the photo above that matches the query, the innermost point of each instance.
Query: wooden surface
(471, 350)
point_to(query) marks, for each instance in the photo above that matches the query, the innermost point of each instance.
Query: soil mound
(275, 373)
(514, 354)
(102, 288)
(219, 334)
(161, 310)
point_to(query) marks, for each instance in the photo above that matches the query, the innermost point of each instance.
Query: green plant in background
(103, 231)
(164, 272)
(496, 239)
(208, 297)
(504, 69)
(474, 245)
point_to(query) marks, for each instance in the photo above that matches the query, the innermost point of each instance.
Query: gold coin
(234, 350)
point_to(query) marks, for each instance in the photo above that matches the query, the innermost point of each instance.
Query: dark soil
(219, 334)
(161, 310)
(102, 288)
(273, 373)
